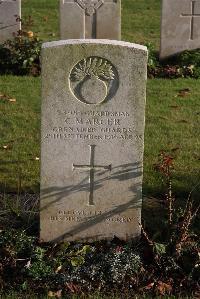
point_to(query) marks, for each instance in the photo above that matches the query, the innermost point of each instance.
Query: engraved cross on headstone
(90, 7)
(193, 15)
(91, 167)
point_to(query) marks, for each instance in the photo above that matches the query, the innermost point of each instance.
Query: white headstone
(180, 27)
(90, 19)
(10, 14)
(92, 139)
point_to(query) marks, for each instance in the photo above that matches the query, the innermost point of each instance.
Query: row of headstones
(101, 19)
(78, 19)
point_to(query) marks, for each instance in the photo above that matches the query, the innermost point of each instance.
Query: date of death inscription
(92, 125)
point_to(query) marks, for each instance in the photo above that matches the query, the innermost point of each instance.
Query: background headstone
(10, 14)
(180, 26)
(92, 139)
(99, 19)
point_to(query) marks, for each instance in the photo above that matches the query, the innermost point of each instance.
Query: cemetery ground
(172, 126)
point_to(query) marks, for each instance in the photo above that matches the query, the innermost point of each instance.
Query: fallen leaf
(58, 269)
(5, 97)
(183, 121)
(72, 287)
(50, 294)
(197, 295)
(183, 92)
(45, 18)
(164, 288)
(12, 100)
(57, 294)
(6, 146)
(149, 286)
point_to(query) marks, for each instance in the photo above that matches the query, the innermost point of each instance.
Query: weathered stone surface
(180, 26)
(90, 19)
(10, 11)
(92, 139)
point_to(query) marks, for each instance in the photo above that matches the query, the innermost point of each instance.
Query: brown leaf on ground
(7, 146)
(163, 288)
(12, 100)
(72, 287)
(45, 18)
(197, 294)
(5, 97)
(183, 92)
(183, 121)
(149, 286)
(57, 294)
(58, 269)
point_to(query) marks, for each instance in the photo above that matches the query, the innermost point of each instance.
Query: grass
(141, 21)
(173, 125)
(20, 133)
(45, 15)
